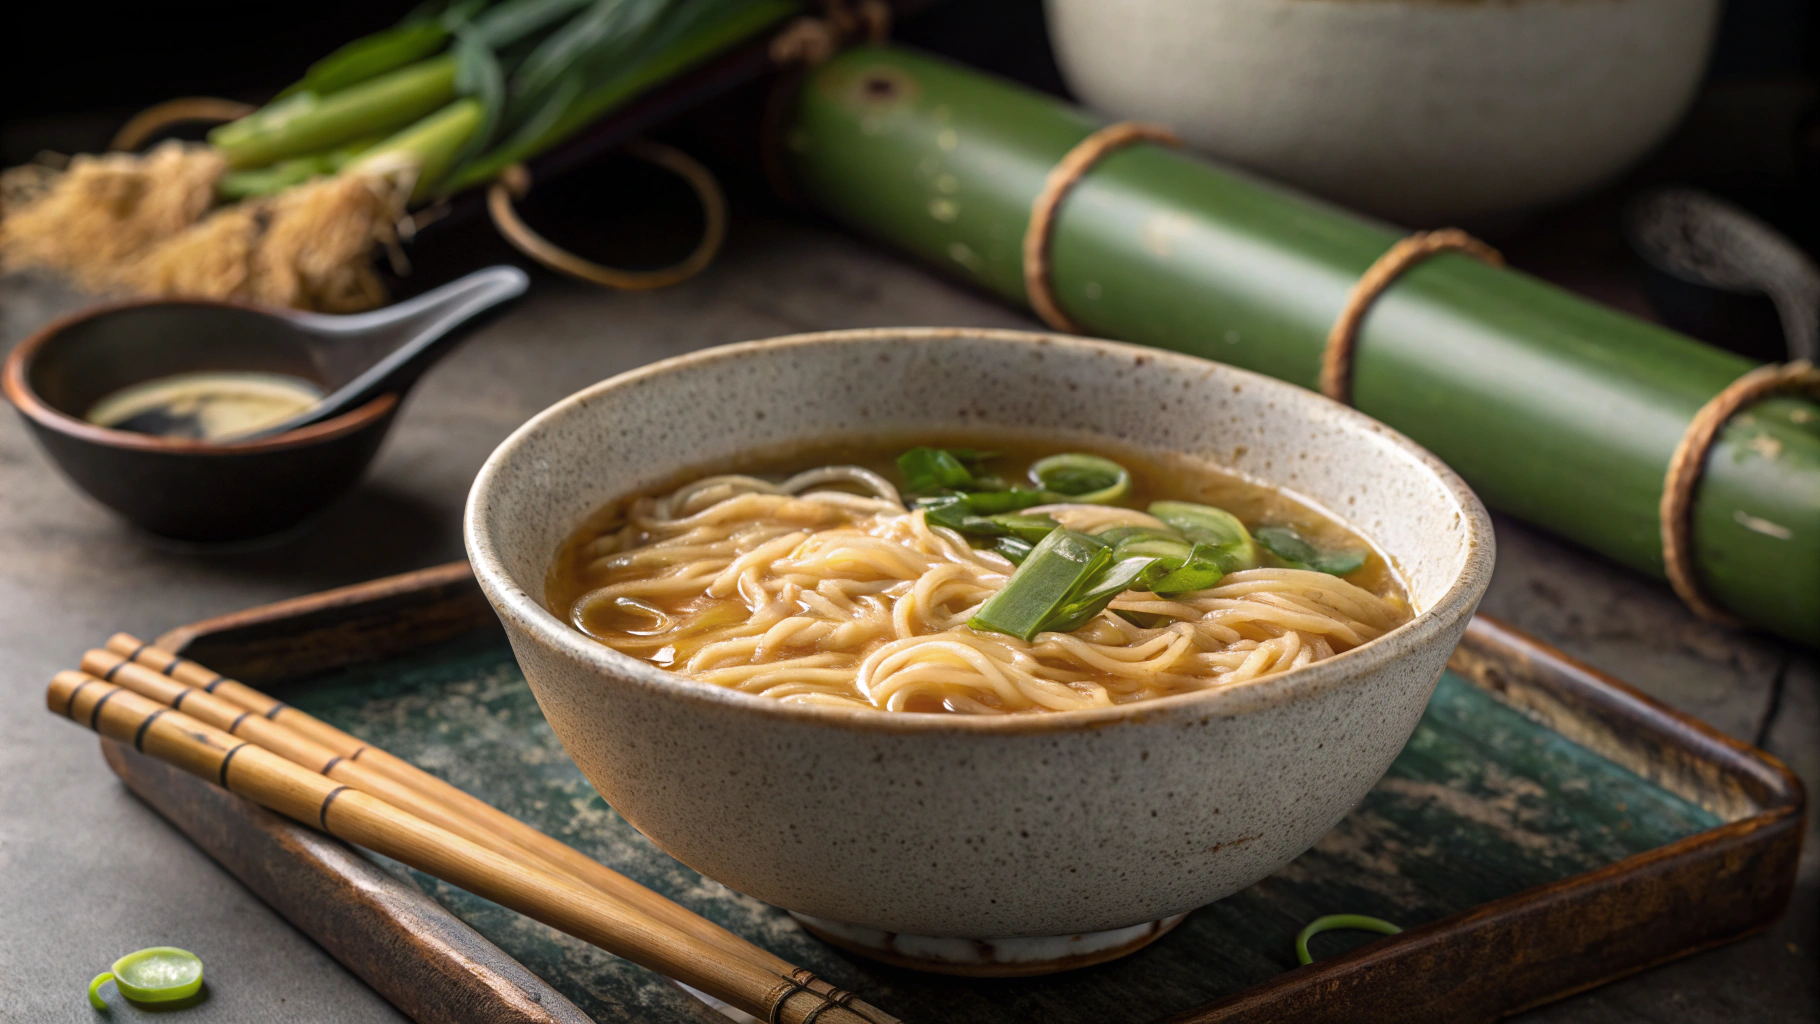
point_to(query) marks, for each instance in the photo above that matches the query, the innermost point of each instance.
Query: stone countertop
(87, 872)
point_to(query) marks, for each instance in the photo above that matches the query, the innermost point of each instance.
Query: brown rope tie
(1343, 337)
(810, 40)
(186, 110)
(1689, 462)
(515, 183)
(1062, 178)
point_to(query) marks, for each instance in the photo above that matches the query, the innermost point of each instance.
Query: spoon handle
(447, 314)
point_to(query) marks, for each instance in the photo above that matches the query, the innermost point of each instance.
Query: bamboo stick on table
(307, 753)
(305, 796)
(479, 813)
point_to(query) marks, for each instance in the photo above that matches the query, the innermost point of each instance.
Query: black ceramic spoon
(366, 355)
(1703, 241)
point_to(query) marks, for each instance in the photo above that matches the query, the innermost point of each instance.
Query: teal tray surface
(1482, 804)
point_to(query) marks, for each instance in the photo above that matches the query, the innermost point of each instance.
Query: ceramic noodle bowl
(977, 844)
(1423, 111)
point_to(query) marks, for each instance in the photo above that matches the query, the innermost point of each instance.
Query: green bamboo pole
(1556, 410)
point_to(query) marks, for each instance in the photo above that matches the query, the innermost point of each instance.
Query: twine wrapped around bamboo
(288, 761)
(1555, 409)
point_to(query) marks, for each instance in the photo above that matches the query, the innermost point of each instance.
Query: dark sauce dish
(189, 488)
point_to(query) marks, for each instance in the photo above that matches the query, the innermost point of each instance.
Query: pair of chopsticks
(228, 733)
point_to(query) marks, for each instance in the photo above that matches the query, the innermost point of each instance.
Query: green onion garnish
(1296, 553)
(157, 974)
(1215, 527)
(1153, 546)
(1013, 548)
(933, 470)
(1198, 571)
(1337, 922)
(1093, 595)
(1079, 477)
(987, 503)
(1029, 528)
(1059, 564)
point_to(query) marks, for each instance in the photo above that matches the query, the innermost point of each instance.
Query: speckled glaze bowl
(974, 844)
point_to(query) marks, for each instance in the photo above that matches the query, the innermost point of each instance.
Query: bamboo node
(1342, 338)
(1038, 236)
(1688, 463)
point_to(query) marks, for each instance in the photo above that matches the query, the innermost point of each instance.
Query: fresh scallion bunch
(449, 98)
(1066, 577)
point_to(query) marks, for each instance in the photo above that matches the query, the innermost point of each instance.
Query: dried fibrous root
(144, 224)
(103, 212)
(309, 247)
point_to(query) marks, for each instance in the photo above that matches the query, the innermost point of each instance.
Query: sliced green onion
(1088, 479)
(989, 503)
(1014, 548)
(156, 974)
(933, 470)
(1297, 553)
(1339, 922)
(1164, 548)
(1095, 594)
(1058, 564)
(1204, 524)
(1029, 528)
(1198, 571)
(956, 514)
(1116, 535)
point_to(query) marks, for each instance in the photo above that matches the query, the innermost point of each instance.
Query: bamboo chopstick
(307, 753)
(270, 780)
(483, 816)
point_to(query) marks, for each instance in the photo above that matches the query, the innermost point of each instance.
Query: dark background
(71, 73)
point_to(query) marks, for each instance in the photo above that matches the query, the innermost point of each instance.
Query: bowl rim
(512, 602)
(15, 383)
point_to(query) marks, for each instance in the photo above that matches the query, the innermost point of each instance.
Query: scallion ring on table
(1339, 922)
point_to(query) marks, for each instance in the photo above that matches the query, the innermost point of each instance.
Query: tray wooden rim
(1422, 965)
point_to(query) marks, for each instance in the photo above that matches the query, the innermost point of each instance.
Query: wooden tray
(1547, 829)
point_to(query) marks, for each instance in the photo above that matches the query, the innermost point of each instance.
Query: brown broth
(1154, 476)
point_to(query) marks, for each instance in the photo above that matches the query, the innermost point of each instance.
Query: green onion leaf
(988, 503)
(1093, 595)
(932, 470)
(1088, 479)
(1287, 544)
(306, 123)
(1339, 563)
(1296, 553)
(1198, 571)
(370, 56)
(1013, 548)
(1058, 564)
(956, 514)
(478, 75)
(1204, 524)
(504, 24)
(1165, 548)
(1030, 528)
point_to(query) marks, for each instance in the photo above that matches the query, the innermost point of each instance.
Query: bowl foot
(989, 958)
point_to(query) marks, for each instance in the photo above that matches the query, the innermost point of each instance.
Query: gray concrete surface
(87, 873)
